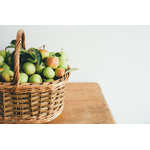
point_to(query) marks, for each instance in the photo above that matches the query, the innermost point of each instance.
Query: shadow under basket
(26, 103)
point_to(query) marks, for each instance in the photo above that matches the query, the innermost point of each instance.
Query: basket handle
(20, 36)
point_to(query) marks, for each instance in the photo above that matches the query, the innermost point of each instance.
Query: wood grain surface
(84, 104)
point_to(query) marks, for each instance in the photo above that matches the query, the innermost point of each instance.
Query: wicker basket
(30, 102)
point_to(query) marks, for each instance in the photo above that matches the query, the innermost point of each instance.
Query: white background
(116, 57)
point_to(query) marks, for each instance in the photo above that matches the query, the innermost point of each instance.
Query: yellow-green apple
(63, 63)
(23, 77)
(39, 69)
(4, 54)
(44, 53)
(51, 54)
(6, 66)
(63, 55)
(48, 73)
(59, 72)
(52, 62)
(9, 61)
(1, 70)
(31, 48)
(29, 68)
(7, 75)
(49, 80)
(1, 60)
(35, 78)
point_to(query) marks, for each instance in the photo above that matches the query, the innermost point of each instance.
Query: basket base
(41, 120)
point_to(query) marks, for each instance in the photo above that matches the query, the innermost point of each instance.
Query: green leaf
(23, 50)
(57, 54)
(71, 69)
(13, 42)
(32, 57)
(10, 46)
(25, 56)
(33, 60)
(38, 56)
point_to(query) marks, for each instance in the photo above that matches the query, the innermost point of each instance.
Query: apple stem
(43, 46)
(61, 49)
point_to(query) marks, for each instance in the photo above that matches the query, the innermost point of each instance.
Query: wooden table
(84, 103)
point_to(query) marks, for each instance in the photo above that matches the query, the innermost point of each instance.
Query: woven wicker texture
(30, 102)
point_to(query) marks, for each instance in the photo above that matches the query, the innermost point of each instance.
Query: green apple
(35, 78)
(1, 70)
(7, 75)
(31, 48)
(1, 60)
(49, 80)
(3, 53)
(48, 73)
(39, 69)
(29, 68)
(63, 55)
(9, 61)
(6, 66)
(51, 54)
(23, 78)
(63, 63)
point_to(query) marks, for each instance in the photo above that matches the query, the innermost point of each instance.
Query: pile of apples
(53, 65)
